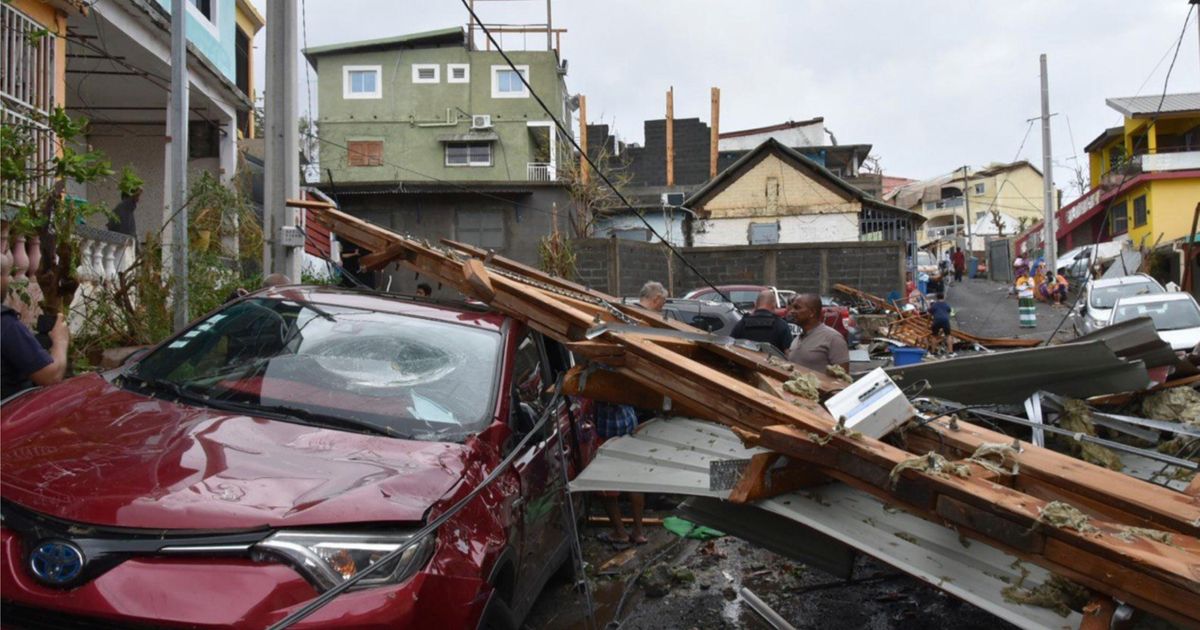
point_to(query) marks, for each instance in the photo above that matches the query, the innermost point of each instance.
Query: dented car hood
(90, 452)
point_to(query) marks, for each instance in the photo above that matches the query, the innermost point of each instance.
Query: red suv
(834, 315)
(276, 447)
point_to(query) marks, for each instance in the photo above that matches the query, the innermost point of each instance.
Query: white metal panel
(672, 455)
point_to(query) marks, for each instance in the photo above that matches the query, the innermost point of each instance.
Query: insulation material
(1077, 417)
(1180, 404)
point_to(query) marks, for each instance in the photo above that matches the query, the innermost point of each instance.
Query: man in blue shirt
(23, 362)
(940, 311)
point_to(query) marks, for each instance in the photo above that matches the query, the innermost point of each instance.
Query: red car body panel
(161, 465)
(89, 452)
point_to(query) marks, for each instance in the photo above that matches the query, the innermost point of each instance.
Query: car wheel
(498, 616)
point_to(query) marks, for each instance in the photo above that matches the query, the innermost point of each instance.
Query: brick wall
(876, 267)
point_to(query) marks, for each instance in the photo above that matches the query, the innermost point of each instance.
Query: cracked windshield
(402, 376)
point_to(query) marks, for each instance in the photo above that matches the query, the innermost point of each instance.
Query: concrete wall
(410, 118)
(433, 217)
(876, 267)
(814, 228)
(214, 40)
(145, 153)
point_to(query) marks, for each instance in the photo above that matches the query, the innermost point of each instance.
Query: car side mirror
(135, 356)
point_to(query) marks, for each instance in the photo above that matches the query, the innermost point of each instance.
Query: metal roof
(1147, 106)
(453, 35)
(672, 455)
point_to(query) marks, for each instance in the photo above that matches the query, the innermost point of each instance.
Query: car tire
(497, 615)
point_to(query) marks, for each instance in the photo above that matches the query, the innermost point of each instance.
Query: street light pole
(177, 159)
(967, 209)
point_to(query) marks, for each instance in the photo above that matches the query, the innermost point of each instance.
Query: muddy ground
(701, 580)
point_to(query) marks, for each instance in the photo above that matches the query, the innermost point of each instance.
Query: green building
(424, 135)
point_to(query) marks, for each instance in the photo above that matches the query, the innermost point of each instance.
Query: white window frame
(469, 164)
(209, 24)
(451, 67)
(418, 67)
(347, 94)
(980, 188)
(496, 93)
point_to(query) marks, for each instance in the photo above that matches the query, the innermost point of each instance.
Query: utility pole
(1049, 249)
(671, 136)
(585, 174)
(967, 208)
(178, 157)
(282, 240)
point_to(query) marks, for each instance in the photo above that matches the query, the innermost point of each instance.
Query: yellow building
(1001, 198)
(1146, 172)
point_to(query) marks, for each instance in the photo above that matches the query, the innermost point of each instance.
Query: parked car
(279, 445)
(1100, 295)
(1176, 316)
(927, 263)
(835, 315)
(715, 317)
(1075, 263)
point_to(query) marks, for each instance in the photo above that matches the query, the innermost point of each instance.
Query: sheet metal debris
(1075, 370)
(670, 455)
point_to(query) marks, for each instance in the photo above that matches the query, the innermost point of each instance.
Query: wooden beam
(671, 136)
(308, 203)
(478, 280)
(715, 133)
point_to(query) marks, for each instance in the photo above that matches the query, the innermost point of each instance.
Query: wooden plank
(309, 203)
(1112, 492)
(615, 387)
(478, 279)
(763, 479)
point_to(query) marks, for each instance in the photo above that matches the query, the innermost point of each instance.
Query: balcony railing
(942, 232)
(944, 204)
(542, 172)
(26, 97)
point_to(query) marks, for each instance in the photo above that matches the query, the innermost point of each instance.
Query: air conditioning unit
(481, 121)
(672, 199)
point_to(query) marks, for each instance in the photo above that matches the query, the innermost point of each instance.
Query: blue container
(906, 356)
(923, 287)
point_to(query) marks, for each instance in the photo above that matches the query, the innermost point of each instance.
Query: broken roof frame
(743, 391)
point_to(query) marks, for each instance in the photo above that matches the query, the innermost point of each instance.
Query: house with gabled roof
(775, 194)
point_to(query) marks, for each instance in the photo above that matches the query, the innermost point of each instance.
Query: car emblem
(56, 562)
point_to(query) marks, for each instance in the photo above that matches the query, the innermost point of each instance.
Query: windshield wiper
(316, 418)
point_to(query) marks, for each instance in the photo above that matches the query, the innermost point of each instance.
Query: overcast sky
(932, 84)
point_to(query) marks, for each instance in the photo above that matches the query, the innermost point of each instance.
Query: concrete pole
(967, 209)
(177, 150)
(282, 176)
(585, 173)
(671, 136)
(1050, 248)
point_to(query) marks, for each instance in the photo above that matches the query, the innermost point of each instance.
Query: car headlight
(329, 558)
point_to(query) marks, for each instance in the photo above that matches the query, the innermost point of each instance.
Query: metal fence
(27, 95)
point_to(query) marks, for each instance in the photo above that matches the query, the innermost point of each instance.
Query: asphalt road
(985, 308)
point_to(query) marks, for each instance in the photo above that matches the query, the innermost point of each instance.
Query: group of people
(817, 346)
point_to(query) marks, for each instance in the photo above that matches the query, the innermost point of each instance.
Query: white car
(1075, 263)
(1101, 295)
(1176, 316)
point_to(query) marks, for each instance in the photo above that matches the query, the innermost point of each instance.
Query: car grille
(14, 617)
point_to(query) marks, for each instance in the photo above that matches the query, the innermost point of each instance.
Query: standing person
(1026, 307)
(23, 361)
(959, 260)
(818, 345)
(763, 325)
(940, 311)
(614, 420)
(653, 296)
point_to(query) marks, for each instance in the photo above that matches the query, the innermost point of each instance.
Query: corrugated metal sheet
(673, 456)
(1131, 106)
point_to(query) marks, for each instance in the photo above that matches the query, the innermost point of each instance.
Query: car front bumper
(223, 593)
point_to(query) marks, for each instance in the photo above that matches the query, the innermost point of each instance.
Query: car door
(538, 468)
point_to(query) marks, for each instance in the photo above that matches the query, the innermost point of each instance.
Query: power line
(583, 156)
(1125, 176)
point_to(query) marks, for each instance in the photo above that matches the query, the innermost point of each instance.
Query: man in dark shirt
(959, 259)
(763, 325)
(23, 362)
(940, 311)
